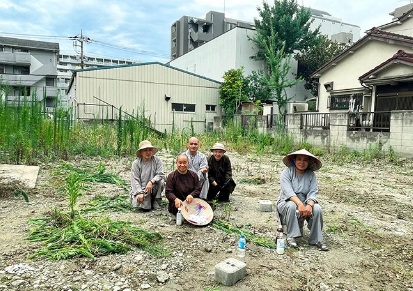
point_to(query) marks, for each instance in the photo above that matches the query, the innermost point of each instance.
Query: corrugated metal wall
(143, 88)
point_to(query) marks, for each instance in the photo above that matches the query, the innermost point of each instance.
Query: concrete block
(265, 206)
(230, 271)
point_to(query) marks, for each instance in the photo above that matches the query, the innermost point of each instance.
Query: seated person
(199, 164)
(298, 198)
(147, 178)
(181, 185)
(219, 174)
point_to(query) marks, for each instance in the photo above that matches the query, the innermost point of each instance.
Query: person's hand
(214, 184)
(178, 203)
(140, 197)
(302, 209)
(149, 187)
(204, 170)
(309, 211)
(189, 198)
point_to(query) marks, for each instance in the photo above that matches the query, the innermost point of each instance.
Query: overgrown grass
(28, 134)
(94, 174)
(102, 203)
(69, 234)
(64, 237)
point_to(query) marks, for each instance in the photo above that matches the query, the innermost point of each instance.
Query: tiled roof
(401, 55)
(374, 33)
(28, 43)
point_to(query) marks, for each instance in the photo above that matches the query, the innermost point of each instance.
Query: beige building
(167, 96)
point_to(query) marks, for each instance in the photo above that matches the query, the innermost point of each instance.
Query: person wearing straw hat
(181, 185)
(298, 198)
(220, 179)
(199, 164)
(147, 178)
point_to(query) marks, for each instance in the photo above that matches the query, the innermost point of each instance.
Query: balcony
(200, 36)
(17, 58)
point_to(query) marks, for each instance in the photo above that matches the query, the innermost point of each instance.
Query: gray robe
(305, 188)
(196, 163)
(141, 174)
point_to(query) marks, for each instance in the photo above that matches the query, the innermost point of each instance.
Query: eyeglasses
(193, 143)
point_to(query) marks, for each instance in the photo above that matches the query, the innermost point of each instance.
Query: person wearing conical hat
(147, 178)
(221, 183)
(298, 198)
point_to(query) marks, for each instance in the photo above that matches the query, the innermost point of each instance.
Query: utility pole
(80, 39)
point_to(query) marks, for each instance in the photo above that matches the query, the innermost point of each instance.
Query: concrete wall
(399, 138)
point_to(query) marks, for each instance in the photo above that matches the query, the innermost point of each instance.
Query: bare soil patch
(368, 224)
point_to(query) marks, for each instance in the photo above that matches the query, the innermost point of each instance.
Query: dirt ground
(368, 224)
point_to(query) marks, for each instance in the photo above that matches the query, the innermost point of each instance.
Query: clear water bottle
(280, 240)
(241, 246)
(179, 217)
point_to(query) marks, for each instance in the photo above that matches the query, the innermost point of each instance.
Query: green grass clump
(65, 238)
(102, 203)
(95, 175)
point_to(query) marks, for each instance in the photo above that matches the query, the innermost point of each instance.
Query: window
(50, 82)
(50, 101)
(20, 50)
(183, 107)
(2, 69)
(210, 108)
(20, 91)
(18, 70)
(342, 101)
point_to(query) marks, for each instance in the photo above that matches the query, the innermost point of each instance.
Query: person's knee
(290, 206)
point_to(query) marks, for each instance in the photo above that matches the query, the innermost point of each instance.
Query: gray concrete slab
(27, 175)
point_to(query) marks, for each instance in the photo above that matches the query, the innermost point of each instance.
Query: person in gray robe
(298, 198)
(198, 163)
(147, 178)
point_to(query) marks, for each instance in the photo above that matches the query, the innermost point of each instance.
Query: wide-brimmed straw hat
(218, 146)
(315, 163)
(145, 144)
(198, 212)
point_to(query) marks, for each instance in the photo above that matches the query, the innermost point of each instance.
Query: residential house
(169, 97)
(29, 68)
(369, 87)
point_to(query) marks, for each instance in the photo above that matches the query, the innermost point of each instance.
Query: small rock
(17, 283)
(145, 286)
(162, 276)
(116, 267)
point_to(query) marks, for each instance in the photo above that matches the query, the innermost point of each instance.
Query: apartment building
(190, 32)
(68, 63)
(29, 68)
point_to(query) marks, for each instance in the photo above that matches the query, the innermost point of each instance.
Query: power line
(92, 41)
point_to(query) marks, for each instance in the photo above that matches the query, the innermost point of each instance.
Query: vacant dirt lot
(368, 227)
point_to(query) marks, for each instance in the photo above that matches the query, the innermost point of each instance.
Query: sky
(140, 29)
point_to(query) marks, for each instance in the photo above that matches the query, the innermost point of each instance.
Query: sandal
(321, 246)
(291, 242)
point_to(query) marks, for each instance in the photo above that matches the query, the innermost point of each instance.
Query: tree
(312, 58)
(258, 90)
(291, 26)
(279, 65)
(233, 91)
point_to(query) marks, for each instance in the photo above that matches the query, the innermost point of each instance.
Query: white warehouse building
(167, 96)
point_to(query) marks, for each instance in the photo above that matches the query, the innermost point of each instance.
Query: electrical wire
(92, 41)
